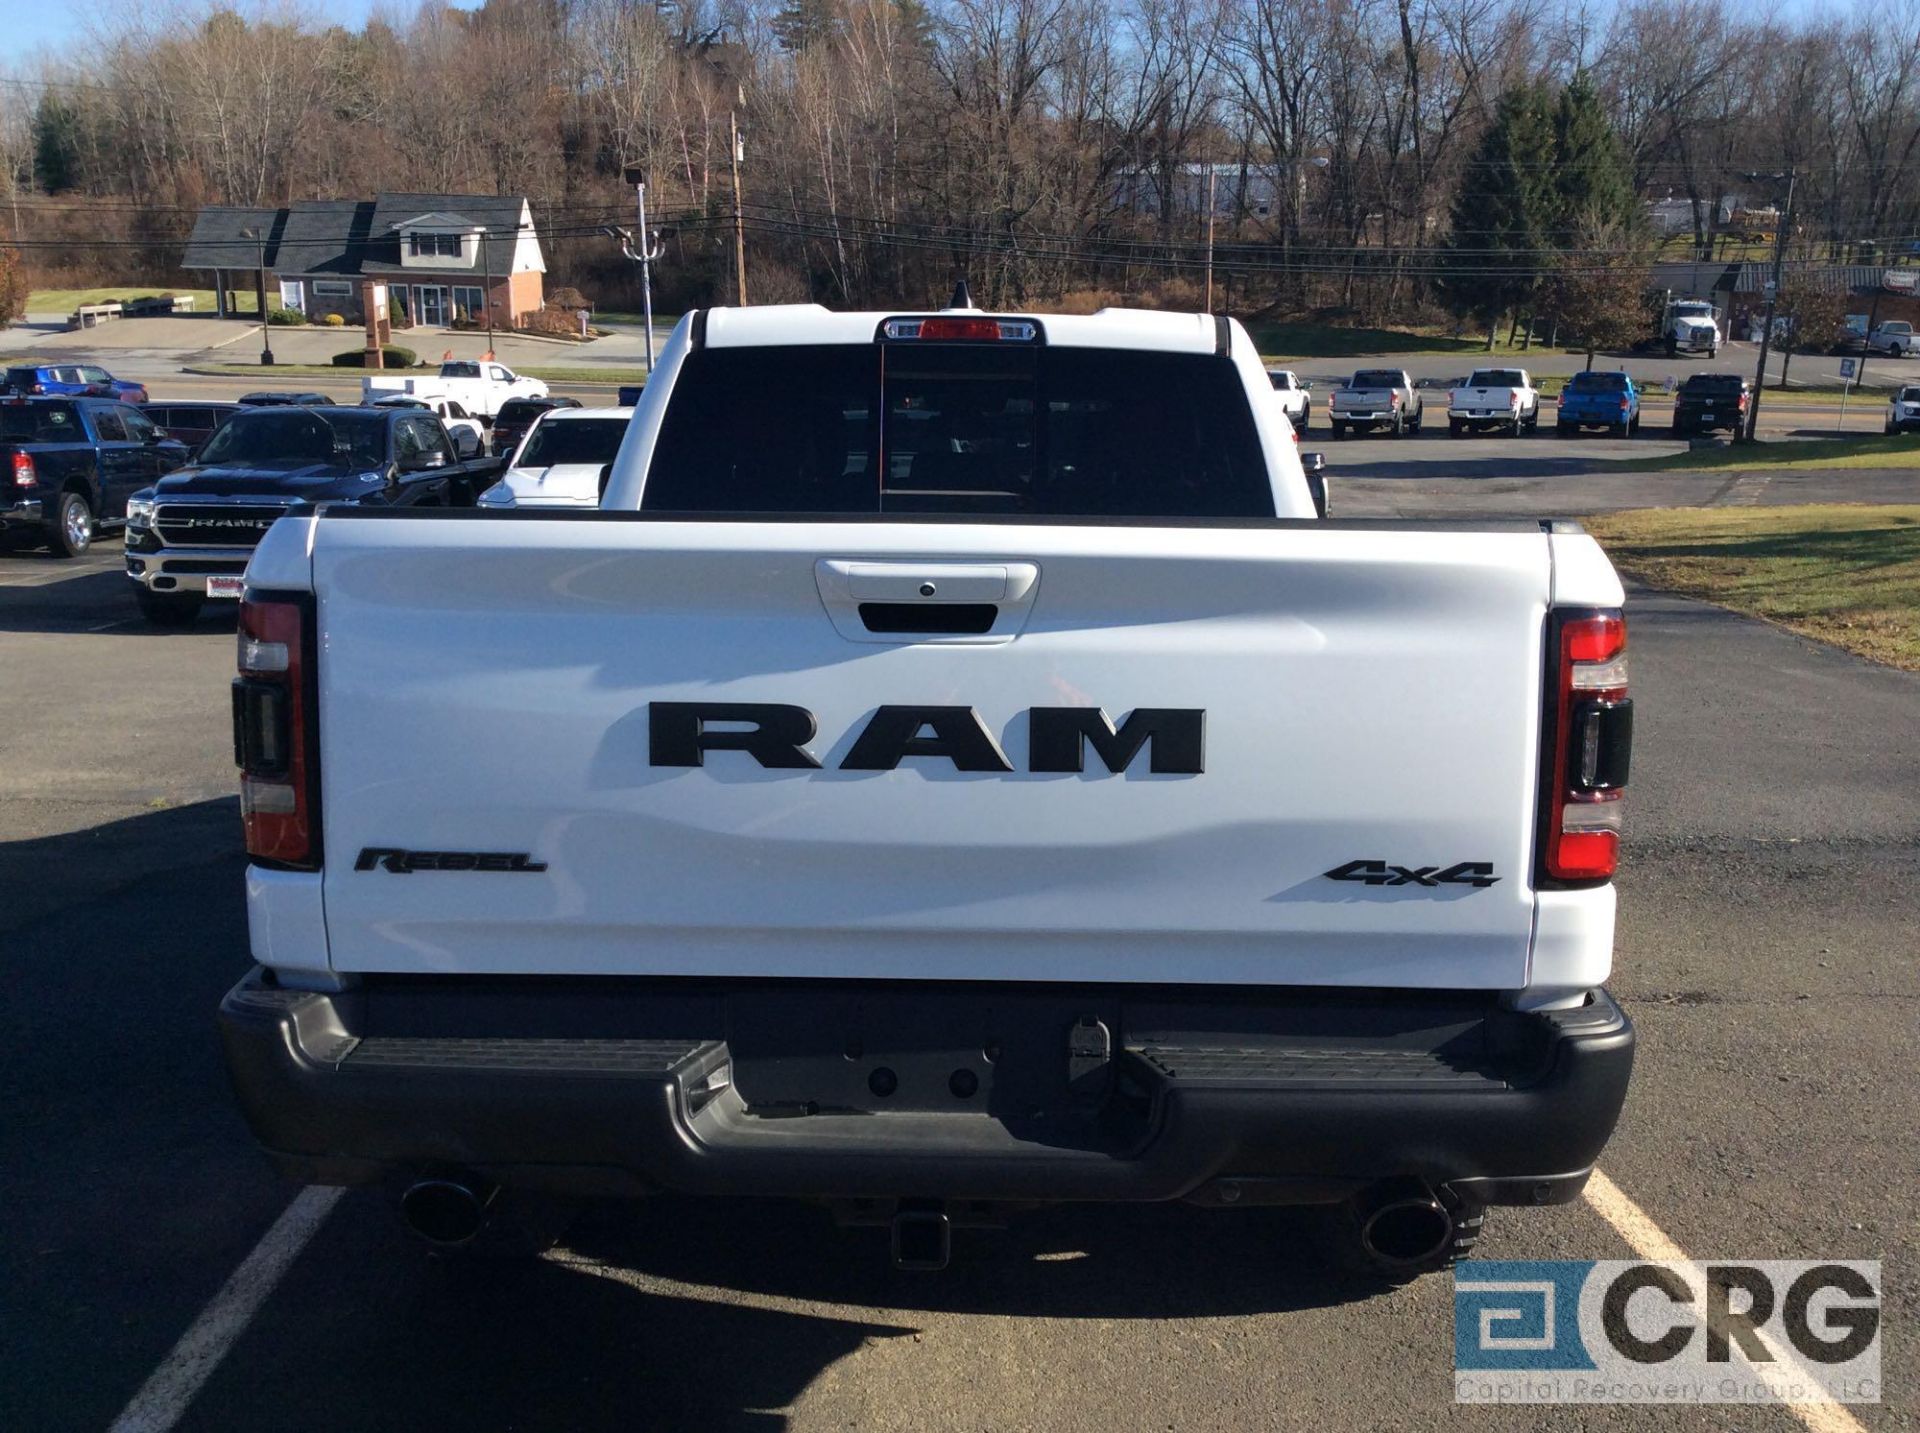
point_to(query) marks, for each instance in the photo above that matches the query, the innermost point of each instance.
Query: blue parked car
(75, 380)
(1599, 400)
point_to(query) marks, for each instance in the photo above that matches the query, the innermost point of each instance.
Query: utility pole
(259, 236)
(1773, 298)
(1208, 306)
(486, 289)
(739, 214)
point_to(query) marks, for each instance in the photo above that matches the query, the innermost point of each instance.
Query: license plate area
(228, 587)
(1012, 1055)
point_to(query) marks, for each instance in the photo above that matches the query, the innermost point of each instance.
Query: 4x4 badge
(1382, 873)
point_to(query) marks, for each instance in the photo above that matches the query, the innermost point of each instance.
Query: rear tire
(1339, 430)
(1455, 428)
(70, 533)
(169, 609)
(1563, 430)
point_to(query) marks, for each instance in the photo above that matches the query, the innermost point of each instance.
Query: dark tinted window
(1496, 378)
(573, 440)
(1712, 383)
(108, 427)
(1377, 378)
(300, 436)
(952, 429)
(525, 410)
(40, 423)
(139, 426)
(1597, 383)
(1910, 395)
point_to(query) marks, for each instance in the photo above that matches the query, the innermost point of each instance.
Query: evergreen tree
(56, 145)
(1591, 186)
(1503, 212)
(802, 24)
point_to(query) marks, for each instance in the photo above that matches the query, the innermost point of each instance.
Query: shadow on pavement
(1148, 1261)
(41, 593)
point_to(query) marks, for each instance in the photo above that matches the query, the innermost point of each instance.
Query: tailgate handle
(949, 618)
(926, 601)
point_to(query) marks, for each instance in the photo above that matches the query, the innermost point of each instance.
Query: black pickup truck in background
(189, 536)
(1711, 400)
(69, 465)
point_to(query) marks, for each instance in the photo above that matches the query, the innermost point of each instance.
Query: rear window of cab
(959, 429)
(1597, 383)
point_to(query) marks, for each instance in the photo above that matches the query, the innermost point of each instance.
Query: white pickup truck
(1494, 398)
(953, 769)
(479, 387)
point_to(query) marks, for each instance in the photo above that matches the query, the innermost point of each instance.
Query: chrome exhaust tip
(446, 1213)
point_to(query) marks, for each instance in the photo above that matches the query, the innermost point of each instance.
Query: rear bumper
(22, 512)
(841, 1090)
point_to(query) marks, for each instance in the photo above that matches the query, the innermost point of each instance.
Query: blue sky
(45, 25)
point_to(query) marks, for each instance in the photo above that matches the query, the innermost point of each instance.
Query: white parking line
(1650, 1241)
(165, 1396)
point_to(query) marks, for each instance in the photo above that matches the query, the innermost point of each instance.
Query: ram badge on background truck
(952, 769)
(479, 387)
(1376, 398)
(1494, 398)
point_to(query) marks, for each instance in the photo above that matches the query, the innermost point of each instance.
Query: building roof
(497, 214)
(323, 236)
(218, 240)
(344, 237)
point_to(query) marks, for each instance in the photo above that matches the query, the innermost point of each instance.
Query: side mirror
(465, 443)
(1316, 469)
(425, 462)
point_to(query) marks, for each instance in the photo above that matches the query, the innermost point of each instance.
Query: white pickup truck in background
(953, 769)
(1494, 398)
(1377, 398)
(478, 386)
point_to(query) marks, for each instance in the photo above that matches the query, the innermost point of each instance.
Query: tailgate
(1370, 695)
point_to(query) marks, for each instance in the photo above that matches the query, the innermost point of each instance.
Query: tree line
(1379, 159)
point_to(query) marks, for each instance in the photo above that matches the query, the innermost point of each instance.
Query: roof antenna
(961, 298)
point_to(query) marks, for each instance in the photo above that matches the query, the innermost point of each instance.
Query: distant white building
(1255, 189)
(1675, 216)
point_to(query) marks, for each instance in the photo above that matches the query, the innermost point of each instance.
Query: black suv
(1711, 400)
(517, 415)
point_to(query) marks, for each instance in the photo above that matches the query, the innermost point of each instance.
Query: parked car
(480, 387)
(629, 394)
(468, 436)
(517, 415)
(1692, 326)
(1903, 410)
(190, 534)
(1894, 338)
(69, 466)
(1707, 401)
(563, 461)
(1049, 824)
(1599, 400)
(191, 423)
(1295, 401)
(73, 379)
(280, 399)
(1376, 398)
(1494, 398)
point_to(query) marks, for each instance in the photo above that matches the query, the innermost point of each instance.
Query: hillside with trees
(1384, 160)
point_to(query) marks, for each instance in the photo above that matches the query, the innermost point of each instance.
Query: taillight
(274, 736)
(1589, 743)
(970, 330)
(1625, 404)
(24, 473)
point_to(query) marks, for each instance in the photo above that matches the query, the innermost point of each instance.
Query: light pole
(1773, 296)
(259, 237)
(649, 250)
(486, 286)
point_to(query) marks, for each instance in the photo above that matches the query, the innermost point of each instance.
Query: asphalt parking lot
(1770, 909)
